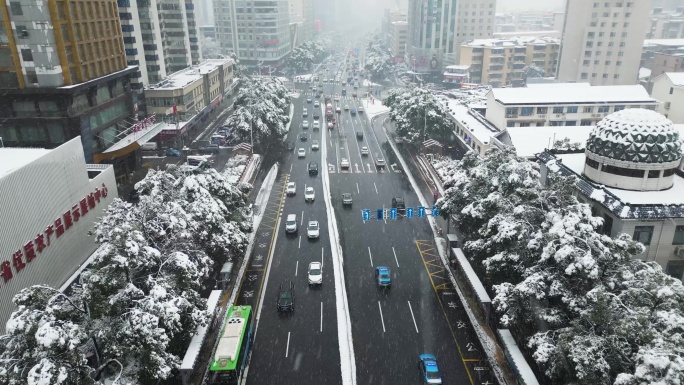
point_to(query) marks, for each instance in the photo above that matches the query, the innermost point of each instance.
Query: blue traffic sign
(393, 213)
(379, 214)
(421, 211)
(409, 212)
(435, 211)
(366, 215)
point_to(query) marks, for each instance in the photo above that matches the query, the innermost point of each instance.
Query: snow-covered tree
(44, 340)
(302, 57)
(533, 71)
(378, 61)
(417, 115)
(261, 113)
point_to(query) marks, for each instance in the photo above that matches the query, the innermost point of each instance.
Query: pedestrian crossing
(336, 169)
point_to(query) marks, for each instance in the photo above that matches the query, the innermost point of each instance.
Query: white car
(313, 229)
(309, 194)
(305, 112)
(338, 110)
(314, 145)
(346, 108)
(291, 188)
(316, 124)
(301, 153)
(305, 124)
(337, 98)
(315, 273)
(344, 163)
(364, 150)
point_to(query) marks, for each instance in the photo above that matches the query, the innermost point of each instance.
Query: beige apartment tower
(602, 41)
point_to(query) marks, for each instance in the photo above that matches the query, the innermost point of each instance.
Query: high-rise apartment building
(603, 40)
(302, 11)
(63, 74)
(258, 32)
(437, 28)
(160, 36)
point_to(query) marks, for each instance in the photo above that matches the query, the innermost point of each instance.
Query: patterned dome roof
(636, 135)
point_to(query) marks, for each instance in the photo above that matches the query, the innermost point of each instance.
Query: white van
(149, 146)
(197, 160)
(291, 223)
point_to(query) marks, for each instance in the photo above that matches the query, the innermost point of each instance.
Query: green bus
(230, 357)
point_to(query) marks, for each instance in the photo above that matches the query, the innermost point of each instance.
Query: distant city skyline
(530, 5)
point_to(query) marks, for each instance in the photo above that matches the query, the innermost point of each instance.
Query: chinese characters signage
(32, 248)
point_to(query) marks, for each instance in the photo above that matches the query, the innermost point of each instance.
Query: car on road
(210, 149)
(382, 276)
(354, 95)
(364, 150)
(314, 145)
(359, 135)
(313, 168)
(346, 199)
(338, 110)
(291, 146)
(360, 109)
(353, 111)
(337, 98)
(313, 229)
(379, 161)
(316, 116)
(286, 297)
(346, 107)
(309, 100)
(303, 136)
(429, 370)
(344, 163)
(331, 125)
(305, 124)
(291, 223)
(172, 152)
(315, 273)
(301, 153)
(305, 113)
(316, 125)
(291, 188)
(399, 204)
(309, 194)
(317, 103)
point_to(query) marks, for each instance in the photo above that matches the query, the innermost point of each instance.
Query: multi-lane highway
(420, 313)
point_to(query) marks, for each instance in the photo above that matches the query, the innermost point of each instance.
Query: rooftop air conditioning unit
(679, 251)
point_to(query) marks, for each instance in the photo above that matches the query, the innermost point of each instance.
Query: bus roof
(197, 339)
(233, 333)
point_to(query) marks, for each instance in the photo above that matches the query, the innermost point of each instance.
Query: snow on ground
(234, 168)
(305, 77)
(368, 83)
(373, 107)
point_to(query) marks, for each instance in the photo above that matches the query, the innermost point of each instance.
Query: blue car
(429, 371)
(382, 276)
(172, 152)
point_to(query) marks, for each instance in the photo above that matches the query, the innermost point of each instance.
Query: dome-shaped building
(633, 149)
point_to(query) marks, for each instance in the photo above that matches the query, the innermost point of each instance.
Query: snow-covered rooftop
(185, 77)
(667, 42)
(513, 41)
(623, 203)
(572, 94)
(677, 78)
(12, 159)
(478, 128)
(529, 141)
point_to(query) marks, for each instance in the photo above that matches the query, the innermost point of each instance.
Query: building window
(510, 123)
(557, 110)
(603, 109)
(616, 76)
(542, 110)
(619, 108)
(15, 7)
(678, 236)
(570, 122)
(584, 75)
(643, 234)
(26, 54)
(671, 90)
(586, 62)
(572, 110)
(512, 111)
(526, 111)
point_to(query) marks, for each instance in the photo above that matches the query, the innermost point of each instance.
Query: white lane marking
(413, 316)
(382, 319)
(357, 189)
(288, 344)
(322, 254)
(376, 188)
(302, 220)
(300, 241)
(297, 267)
(370, 256)
(395, 256)
(321, 316)
(291, 168)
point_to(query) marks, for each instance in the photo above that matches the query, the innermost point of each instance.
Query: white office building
(258, 32)
(602, 41)
(160, 36)
(51, 199)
